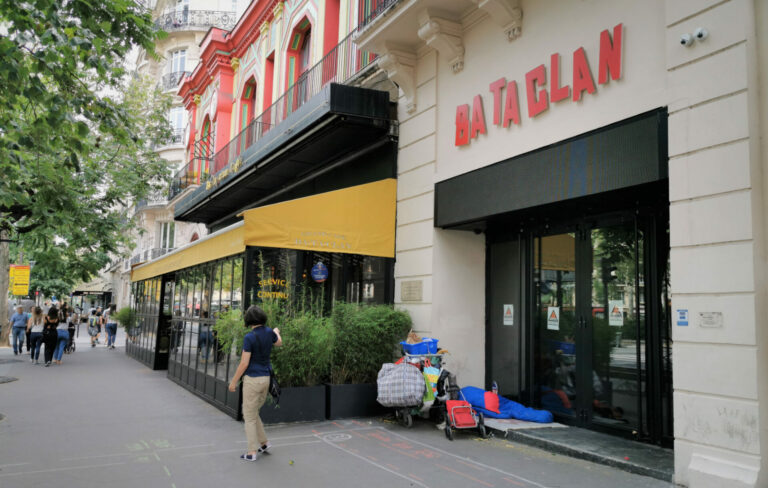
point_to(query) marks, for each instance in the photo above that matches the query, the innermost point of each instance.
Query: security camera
(700, 34)
(686, 40)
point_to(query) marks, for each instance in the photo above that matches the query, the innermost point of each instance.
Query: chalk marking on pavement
(514, 482)
(285, 437)
(156, 456)
(166, 471)
(470, 465)
(54, 470)
(133, 453)
(163, 449)
(534, 483)
(380, 466)
(238, 450)
(471, 478)
(11, 465)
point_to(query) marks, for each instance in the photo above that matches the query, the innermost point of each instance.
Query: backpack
(93, 321)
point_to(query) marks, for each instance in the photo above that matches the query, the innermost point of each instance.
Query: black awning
(336, 124)
(626, 154)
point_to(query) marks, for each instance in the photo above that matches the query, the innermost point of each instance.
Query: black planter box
(348, 401)
(297, 404)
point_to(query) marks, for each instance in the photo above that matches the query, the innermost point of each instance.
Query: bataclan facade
(581, 211)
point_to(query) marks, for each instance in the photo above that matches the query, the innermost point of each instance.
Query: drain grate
(6, 361)
(7, 379)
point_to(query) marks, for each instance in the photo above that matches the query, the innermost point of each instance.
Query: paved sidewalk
(102, 419)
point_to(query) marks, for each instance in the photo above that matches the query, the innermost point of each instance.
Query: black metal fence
(175, 20)
(342, 63)
(370, 9)
(170, 81)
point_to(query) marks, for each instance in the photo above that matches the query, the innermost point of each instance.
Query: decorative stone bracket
(400, 67)
(507, 14)
(445, 37)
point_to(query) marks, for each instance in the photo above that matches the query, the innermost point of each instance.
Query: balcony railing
(149, 254)
(152, 200)
(370, 9)
(175, 20)
(341, 64)
(183, 179)
(170, 81)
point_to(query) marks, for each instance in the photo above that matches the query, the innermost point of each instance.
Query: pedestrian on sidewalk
(50, 335)
(255, 365)
(93, 327)
(28, 333)
(111, 326)
(35, 328)
(62, 334)
(18, 329)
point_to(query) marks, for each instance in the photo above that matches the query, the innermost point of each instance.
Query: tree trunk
(5, 328)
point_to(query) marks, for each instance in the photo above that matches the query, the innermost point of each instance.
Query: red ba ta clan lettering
(506, 105)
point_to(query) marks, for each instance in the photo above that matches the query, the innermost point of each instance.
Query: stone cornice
(445, 37)
(507, 14)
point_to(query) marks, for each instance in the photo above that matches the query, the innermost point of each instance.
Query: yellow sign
(19, 279)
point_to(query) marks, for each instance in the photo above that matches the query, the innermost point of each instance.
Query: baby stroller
(459, 414)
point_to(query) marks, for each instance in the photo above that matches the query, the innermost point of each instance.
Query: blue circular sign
(319, 272)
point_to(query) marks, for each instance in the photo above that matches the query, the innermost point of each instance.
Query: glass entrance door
(617, 325)
(557, 352)
(591, 323)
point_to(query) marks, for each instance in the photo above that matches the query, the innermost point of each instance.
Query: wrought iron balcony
(154, 200)
(183, 179)
(368, 10)
(150, 254)
(174, 20)
(340, 65)
(170, 81)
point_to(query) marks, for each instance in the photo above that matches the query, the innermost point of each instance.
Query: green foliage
(305, 357)
(127, 318)
(230, 329)
(365, 338)
(76, 135)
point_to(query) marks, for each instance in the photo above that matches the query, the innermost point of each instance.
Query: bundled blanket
(498, 407)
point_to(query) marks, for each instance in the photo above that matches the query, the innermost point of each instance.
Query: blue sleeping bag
(507, 408)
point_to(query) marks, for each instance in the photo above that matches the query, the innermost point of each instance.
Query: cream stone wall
(717, 114)
(718, 244)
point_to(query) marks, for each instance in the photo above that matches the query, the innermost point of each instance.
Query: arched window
(248, 103)
(304, 52)
(298, 52)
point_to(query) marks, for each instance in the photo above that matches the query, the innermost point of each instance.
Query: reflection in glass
(618, 326)
(556, 323)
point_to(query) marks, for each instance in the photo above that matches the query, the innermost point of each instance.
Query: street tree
(76, 133)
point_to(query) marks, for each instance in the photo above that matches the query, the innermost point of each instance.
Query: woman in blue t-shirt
(255, 365)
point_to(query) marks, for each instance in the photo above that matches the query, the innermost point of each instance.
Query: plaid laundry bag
(400, 385)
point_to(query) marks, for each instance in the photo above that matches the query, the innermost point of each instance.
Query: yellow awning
(355, 220)
(221, 244)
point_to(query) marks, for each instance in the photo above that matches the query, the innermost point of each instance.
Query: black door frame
(655, 426)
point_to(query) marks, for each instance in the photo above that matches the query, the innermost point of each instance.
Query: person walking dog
(255, 365)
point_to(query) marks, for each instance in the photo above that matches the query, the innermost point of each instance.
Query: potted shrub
(301, 366)
(127, 318)
(365, 337)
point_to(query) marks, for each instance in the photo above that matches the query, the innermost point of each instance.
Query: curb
(521, 436)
